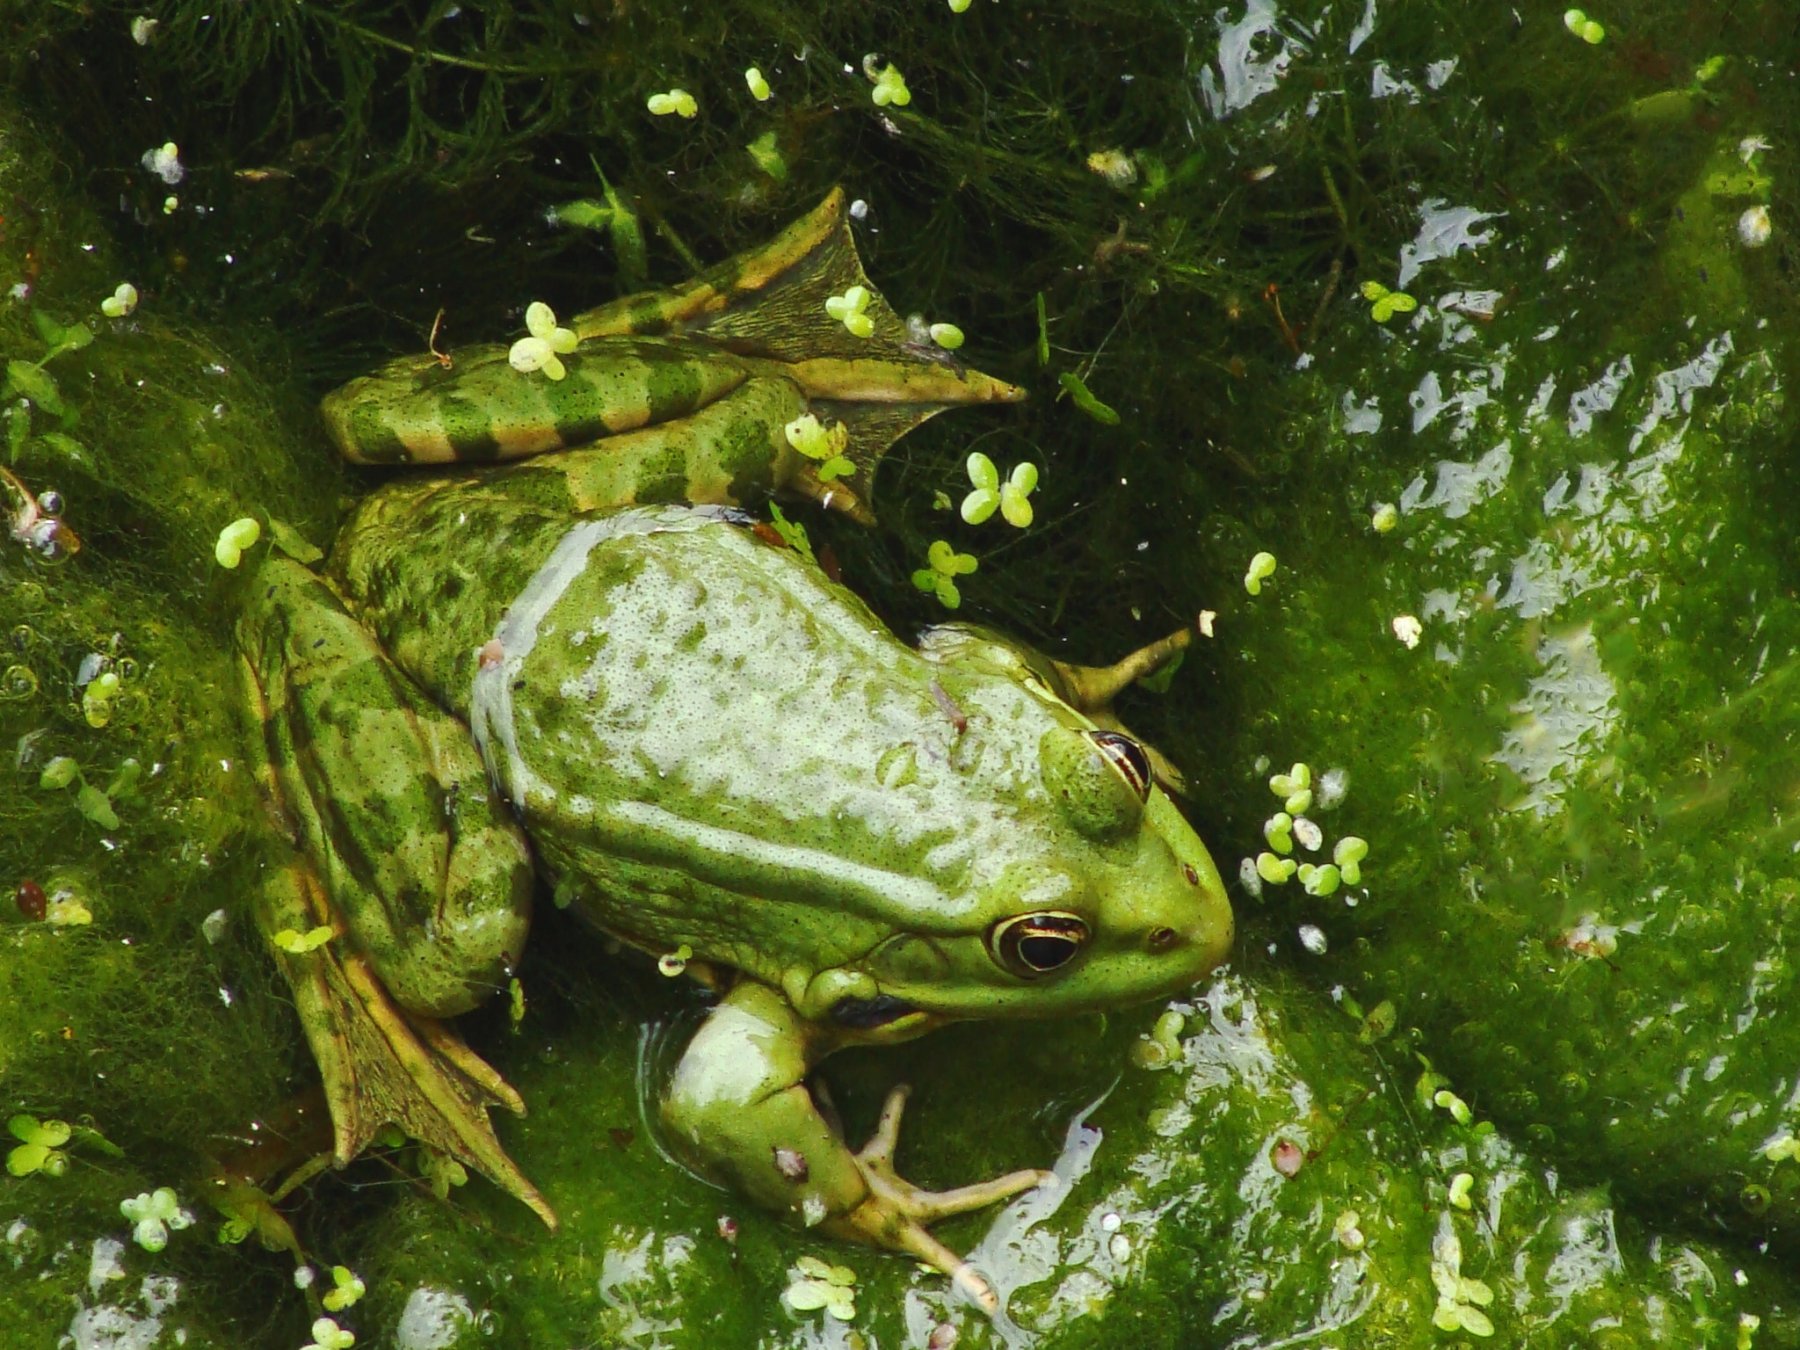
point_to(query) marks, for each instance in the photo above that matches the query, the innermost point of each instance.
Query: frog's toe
(897, 1213)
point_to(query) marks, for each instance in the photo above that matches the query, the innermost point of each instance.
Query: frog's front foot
(897, 1214)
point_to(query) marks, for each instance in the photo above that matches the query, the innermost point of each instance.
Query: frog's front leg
(739, 1107)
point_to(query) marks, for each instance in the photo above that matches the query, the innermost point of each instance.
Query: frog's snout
(1198, 942)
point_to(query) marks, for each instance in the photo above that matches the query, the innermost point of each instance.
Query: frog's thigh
(429, 875)
(739, 1108)
(729, 452)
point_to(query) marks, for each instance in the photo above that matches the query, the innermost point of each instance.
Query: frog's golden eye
(1030, 945)
(1128, 757)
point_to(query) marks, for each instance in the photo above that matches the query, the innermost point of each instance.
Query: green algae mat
(1431, 361)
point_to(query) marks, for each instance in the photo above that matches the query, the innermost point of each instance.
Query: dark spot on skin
(620, 1136)
(791, 1164)
(318, 643)
(1188, 871)
(518, 684)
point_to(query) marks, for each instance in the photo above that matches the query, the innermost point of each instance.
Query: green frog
(591, 667)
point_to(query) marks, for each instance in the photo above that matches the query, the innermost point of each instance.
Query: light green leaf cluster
(1583, 27)
(547, 344)
(946, 564)
(819, 1285)
(235, 539)
(154, 1213)
(848, 309)
(1011, 497)
(1384, 304)
(823, 444)
(40, 1146)
(678, 102)
(296, 943)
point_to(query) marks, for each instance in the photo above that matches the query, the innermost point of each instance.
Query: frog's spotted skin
(586, 662)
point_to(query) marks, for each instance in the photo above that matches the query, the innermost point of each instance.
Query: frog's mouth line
(867, 1014)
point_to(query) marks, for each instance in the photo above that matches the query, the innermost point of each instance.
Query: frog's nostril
(1192, 873)
(1161, 939)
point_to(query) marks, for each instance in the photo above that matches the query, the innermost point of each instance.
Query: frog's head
(1103, 896)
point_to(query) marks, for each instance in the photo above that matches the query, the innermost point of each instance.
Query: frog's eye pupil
(1128, 757)
(1045, 952)
(1036, 944)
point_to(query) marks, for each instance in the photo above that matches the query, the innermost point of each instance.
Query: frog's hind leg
(402, 898)
(767, 308)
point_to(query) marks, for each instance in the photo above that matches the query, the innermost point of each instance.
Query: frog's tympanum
(589, 667)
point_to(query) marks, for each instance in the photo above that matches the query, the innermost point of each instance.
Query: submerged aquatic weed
(39, 1148)
(1384, 304)
(1261, 568)
(678, 102)
(546, 344)
(1011, 497)
(817, 1284)
(234, 539)
(848, 309)
(121, 302)
(155, 1213)
(348, 1289)
(940, 577)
